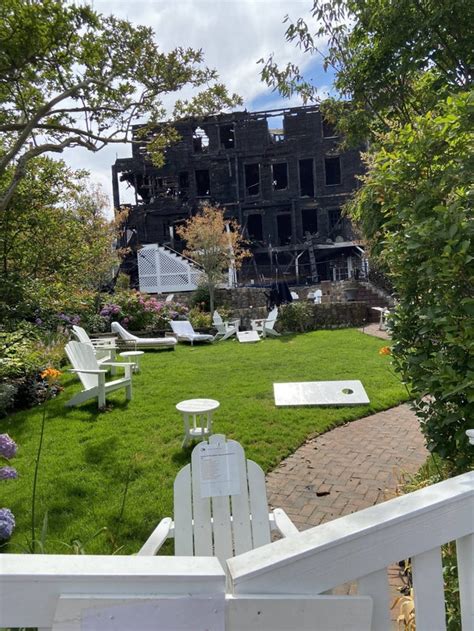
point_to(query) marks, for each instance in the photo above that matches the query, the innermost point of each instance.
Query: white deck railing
(277, 586)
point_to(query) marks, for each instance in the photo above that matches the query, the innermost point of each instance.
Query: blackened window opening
(284, 229)
(200, 140)
(252, 179)
(203, 185)
(280, 176)
(333, 171)
(309, 218)
(227, 136)
(255, 227)
(184, 179)
(334, 218)
(306, 178)
(329, 129)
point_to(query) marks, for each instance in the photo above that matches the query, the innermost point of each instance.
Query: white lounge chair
(104, 348)
(183, 329)
(318, 296)
(220, 515)
(265, 326)
(92, 376)
(224, 329)
(134, 342)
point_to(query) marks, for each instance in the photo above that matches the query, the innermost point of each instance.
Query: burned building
(280, 173)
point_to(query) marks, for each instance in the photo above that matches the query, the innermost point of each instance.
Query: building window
(184, 179)
(284, 228)
(309, 217)
(203, 185)
(334, 218)
(329, 129)
(227, 136)
(200, 140)
(280, 176)
(332, 167)
(306, 178)
(252, 179)
(255, 227)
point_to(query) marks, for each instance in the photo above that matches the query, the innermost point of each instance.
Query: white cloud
(233, 34)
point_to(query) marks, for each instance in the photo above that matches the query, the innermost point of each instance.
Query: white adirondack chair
(224, 329)
(92, 376)
(265, 326)
(183, 329)
(318, 295)
(136, 343)
(226, 524)
(104, 348)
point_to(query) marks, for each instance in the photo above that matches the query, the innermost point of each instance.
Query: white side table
(134, 356)
(383, 311)
(200, 424)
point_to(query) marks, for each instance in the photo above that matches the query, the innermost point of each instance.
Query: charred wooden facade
(285, 186)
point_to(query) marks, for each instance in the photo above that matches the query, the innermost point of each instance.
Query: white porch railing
(278, 586)
(163, 270)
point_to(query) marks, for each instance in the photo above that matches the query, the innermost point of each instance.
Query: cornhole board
(246, 337)
(320, 393)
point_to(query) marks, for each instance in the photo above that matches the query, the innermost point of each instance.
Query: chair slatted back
(227, 525)
(81, 334)
(271, 319)
(124, 334)
(82, 356)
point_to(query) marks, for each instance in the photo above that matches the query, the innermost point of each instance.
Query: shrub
(296, 316)
(139, 312)
(416, 207)
(200, 319)
(24, 354)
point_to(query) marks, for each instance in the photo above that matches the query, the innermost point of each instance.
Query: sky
(233, 34)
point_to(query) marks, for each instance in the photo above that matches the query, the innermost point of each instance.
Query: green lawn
(89, 459)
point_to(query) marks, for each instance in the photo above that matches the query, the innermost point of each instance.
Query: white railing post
(376, 586)
(465, 557)
(428, 588)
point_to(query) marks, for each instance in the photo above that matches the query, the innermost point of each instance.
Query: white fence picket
(428, 587)
(376, 586)
(465, 557)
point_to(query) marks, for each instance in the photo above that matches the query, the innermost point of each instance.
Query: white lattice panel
(160, 270)
(147, 270)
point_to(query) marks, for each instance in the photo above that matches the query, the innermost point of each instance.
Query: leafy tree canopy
(215, 243)
(54, 238)
(70, 77)
(392, 60)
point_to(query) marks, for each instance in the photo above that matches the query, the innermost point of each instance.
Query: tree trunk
(211, 288)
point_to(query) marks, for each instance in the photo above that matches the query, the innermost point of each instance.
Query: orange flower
(385, 350)
(50, 374)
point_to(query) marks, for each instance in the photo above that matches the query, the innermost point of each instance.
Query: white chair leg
(101, 393)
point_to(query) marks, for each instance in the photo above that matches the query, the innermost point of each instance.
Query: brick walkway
(347, 469)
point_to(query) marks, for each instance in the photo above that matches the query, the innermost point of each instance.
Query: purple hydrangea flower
(8, 473)
(8, 446)
(7, 523)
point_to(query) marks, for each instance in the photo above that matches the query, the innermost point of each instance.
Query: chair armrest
(120, 364)
(283, 523)
(90, 372)
(163, 531)
(257, 323)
